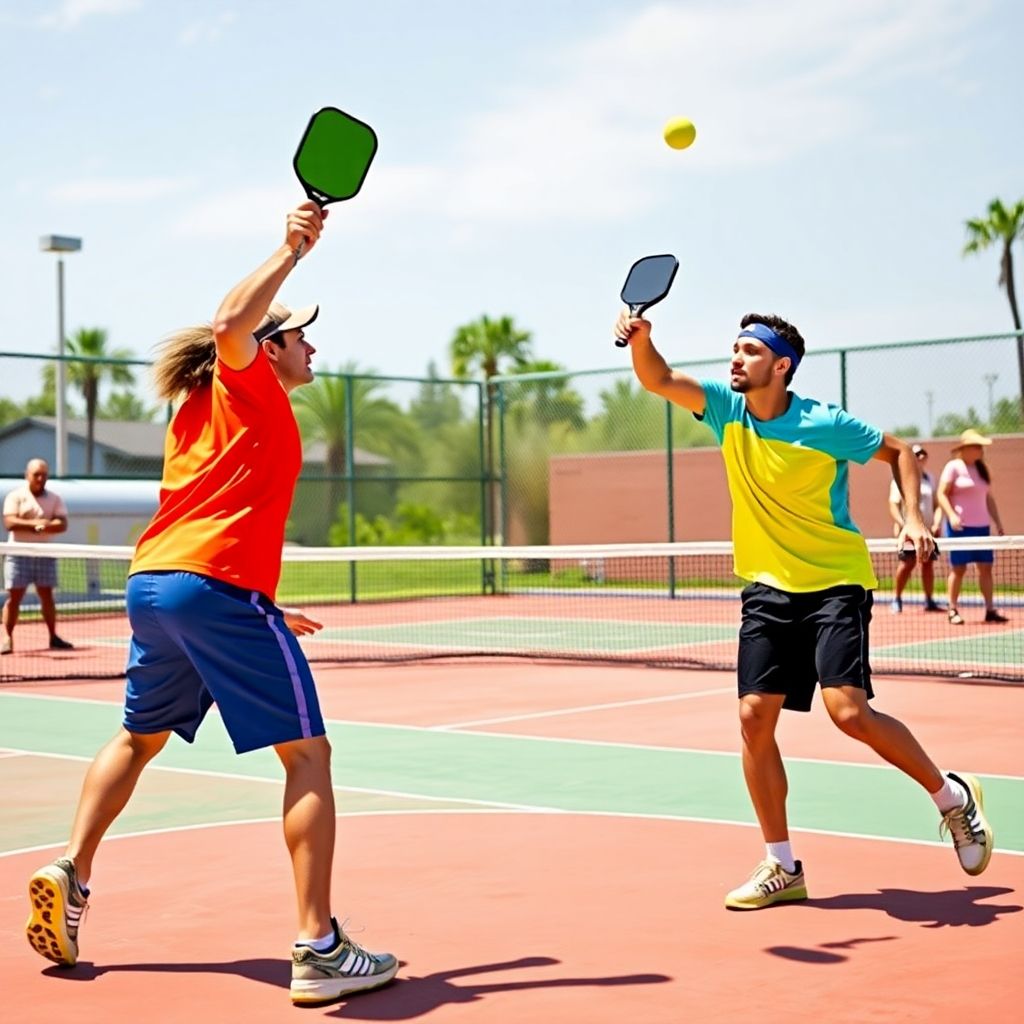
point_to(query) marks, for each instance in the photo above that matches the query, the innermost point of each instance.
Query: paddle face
(648, 282)
(334, 155)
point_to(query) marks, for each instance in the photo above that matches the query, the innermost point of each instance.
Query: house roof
(146, 440)
(127, 437)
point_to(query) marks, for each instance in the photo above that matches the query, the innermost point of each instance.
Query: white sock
(321, 945)
(950, 796)
(783, 853)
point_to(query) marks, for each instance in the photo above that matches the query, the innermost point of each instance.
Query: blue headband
(778, 345)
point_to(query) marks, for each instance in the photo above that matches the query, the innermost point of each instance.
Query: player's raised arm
(246, 304)
(651, 369)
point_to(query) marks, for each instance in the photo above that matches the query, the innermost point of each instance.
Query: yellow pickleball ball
(679, 132)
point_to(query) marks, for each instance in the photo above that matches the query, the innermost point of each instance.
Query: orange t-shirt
(231, 459)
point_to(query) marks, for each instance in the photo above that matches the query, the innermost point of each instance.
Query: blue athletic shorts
(982, 555)
(22, 570)
(197, 641)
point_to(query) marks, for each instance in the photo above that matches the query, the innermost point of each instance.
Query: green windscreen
(334, 155)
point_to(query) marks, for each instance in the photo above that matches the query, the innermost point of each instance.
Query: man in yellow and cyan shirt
(807, 603)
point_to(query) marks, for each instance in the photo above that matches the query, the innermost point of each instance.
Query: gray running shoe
(342, 970)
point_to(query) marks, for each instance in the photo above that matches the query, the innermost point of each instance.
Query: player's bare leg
(309, 829)
(108, 786)
(959, 798)
(763, 769)
(772, 881)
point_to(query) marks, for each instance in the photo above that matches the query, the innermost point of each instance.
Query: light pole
(930, 399)
(60, 244)
(990, 379)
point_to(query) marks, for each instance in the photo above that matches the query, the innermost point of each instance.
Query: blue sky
(841, 145)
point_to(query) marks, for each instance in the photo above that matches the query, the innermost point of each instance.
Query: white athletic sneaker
(770, 883)
(971, 832)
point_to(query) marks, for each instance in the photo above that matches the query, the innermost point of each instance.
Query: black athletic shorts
(791, 642)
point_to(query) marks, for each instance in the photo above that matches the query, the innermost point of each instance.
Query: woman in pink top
(965, 496)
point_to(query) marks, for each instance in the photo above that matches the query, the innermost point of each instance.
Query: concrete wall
(621, 497)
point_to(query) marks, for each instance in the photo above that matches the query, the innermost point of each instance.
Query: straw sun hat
(969, 437)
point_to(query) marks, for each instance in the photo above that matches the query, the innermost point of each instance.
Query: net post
(350, 482)
(670, 480)
(482, 459)
(502, 483)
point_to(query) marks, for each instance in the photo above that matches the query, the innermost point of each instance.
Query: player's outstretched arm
(651, 369)
(246, 304)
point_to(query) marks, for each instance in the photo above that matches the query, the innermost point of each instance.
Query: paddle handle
(633, 311)
(297, 255)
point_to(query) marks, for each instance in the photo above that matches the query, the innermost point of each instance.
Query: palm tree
(484, 345)
(91, 342)
(1002, 225)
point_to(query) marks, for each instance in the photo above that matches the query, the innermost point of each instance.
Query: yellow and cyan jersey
(788, 478)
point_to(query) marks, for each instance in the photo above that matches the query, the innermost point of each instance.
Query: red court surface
(505, 918)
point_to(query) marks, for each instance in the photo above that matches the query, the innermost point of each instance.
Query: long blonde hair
(185, 361)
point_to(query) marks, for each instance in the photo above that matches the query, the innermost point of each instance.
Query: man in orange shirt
(205, 628)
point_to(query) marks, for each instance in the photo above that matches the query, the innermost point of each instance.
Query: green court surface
(404, 767)
(992, 648)
(544, 634)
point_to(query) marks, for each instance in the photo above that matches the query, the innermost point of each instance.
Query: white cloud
(118, 190)
(762, 83)
(71, 13)
(207, 30)
(241, 213)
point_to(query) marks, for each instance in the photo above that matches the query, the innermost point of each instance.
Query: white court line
(438, 811)
(586, 707)
(10, 753)
(396, 726)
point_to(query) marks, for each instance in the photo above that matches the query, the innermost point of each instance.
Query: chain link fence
(404, 460)
(914, 389)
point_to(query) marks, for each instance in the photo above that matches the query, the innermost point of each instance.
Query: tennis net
(654, 604)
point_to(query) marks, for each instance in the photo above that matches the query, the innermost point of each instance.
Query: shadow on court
(271, 972)
(413, 997)
(951, 908)
(823, 954)
(405, 998)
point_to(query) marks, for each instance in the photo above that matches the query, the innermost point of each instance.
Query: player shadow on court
(823, 954)
(952, 908)
(949, 908)
(413, 996)
(405, 998)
